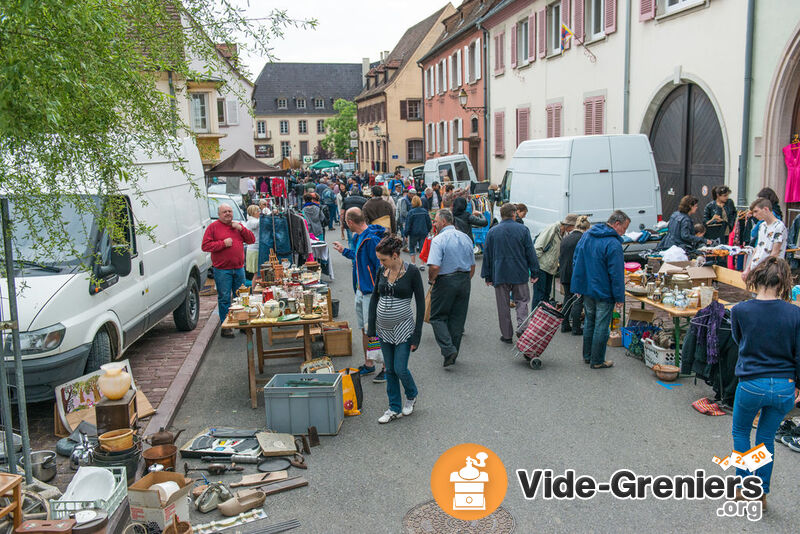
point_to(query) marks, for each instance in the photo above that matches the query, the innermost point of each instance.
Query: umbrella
(240, 163)
(323, 164)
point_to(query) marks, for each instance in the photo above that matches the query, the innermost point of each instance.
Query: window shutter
(514, 46)
(599, 112)
(478, 58)
(497, 53)
(403, 110)
(425, 79)
(647, 10)
(450, 71)
(453, 140)
(231, 111)
(549, 112)
(557, 120)
(565, 18)
(436, 80)
(542, 31)
(437, 142)
(458, 68)
(502, 51)
(610, 17)
(522, 125)
(580, 22)
(467, 61)
(444, 77)
(588, 116)
(532, 37)
(498, 133)
(460, 134)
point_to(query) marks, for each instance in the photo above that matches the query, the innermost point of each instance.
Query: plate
(289, 317)
(311, 316)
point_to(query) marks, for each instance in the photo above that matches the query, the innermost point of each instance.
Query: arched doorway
(687, 147)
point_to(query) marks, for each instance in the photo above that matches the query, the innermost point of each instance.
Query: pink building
(454, 64)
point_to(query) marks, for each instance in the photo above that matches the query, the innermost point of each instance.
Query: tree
(339, 127)
(320, 152)
(79, 95)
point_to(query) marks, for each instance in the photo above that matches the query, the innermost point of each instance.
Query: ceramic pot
(273, 308)
(115, 382)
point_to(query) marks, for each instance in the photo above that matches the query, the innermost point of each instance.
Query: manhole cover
(428, 518)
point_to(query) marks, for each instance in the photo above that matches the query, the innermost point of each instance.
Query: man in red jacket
(225, 240)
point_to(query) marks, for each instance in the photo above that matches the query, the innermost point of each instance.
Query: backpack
(326, 214)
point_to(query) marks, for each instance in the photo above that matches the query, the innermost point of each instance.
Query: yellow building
(390, 105)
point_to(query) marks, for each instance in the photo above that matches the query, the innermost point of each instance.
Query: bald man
(225, 240)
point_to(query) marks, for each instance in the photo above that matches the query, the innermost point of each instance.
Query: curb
(166, 411)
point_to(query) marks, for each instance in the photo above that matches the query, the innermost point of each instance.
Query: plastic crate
(479, 234)
(291, 410)
(64, 509)
(653, 354)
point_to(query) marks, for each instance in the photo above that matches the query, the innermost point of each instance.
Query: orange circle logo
(469, 481)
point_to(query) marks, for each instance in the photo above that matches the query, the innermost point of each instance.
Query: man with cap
(548, 246)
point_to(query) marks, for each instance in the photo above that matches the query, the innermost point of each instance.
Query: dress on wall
(791, 154)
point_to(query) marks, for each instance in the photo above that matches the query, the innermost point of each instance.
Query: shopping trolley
(538, 329)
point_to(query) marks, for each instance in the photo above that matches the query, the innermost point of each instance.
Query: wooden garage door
(688, 150)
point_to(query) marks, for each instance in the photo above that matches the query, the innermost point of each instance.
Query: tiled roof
(460, 22)
(402, 52)
(294, 81)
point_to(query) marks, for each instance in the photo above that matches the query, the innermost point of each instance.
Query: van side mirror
(121, 260)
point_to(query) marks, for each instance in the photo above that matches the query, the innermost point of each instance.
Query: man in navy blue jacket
(509, 260)
(598, 273)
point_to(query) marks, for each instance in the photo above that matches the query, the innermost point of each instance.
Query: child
(700, 229)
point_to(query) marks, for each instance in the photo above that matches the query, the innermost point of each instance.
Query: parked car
(72, 321)
(455, 169)
(216, 199)
(588, 175)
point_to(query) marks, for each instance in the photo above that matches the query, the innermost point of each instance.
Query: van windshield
(69, 240)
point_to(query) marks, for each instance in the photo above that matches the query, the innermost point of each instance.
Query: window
(461, 170)
(471, 61)
(410, 110)
(445, 173)
(474, 125)
(301, 103)
(499, 53)
(261, 127)
(554, 28)
(458, 133)
(283, 103)
(286, 149)
(523, 126)
(199, 112)
(221, 111)
(284, 127)
(442, 138)
(499, 134)
(302, 126)
(595, 10)
(677, 5)
(321, 126)
(441, 77)
(455, 69)
(429, 138)
(522, 43)
(319, 103)
(594, 115)
(553, 112)
(414, 153)
(303, 148)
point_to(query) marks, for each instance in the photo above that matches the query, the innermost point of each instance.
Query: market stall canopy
(240, 163)
(323, 164)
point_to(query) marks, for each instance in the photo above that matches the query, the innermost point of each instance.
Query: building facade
(681, 94)
(390, 125)
(292, 102)
(451, 66)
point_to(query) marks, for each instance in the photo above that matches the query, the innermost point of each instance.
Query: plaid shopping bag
(540, 330)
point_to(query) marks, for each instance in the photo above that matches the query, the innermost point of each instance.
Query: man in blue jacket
(365, 275)
(598, 274)
(509, 260)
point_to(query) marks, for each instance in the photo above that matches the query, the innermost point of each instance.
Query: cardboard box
(615, 339)
(146, 505)
(698, 275)
(648, 316)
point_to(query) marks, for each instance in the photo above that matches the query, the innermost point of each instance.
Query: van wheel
(100, 353)
(188, 313)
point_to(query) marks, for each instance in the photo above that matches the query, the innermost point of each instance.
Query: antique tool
(313, 436)
(240, 433)
(203, 442)
(260, 478)
(163, 437)
(301, 444)
(274, 464)
(236, 459)
(214, 469)
(271, 488)
(298, 461)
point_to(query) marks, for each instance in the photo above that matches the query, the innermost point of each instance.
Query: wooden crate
(338, 342)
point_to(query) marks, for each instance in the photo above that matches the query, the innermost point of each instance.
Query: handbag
(426, 250)
(374, 352)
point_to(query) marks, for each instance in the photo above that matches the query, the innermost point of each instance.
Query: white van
(454, 169)
(588, 175)
(71, 323)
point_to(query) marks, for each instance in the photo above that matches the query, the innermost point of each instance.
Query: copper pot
(165, 455)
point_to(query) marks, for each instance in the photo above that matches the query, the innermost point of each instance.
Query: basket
(653, 354)
(64, 509)
(339, 341)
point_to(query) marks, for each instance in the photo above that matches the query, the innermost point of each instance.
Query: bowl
(161, 454)
(117, 440)
(43, 465)
(667, 373)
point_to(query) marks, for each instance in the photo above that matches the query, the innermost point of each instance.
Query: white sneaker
(388, 416)
(422, 267)
(408, 406)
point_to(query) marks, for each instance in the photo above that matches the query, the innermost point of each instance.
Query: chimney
(364, 70)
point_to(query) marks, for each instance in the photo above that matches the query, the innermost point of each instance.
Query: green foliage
(79, 97)
(339, 127)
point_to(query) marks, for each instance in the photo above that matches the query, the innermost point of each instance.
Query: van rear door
(590, 184)
(635, 182)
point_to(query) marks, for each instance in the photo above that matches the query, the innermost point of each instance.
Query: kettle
(82, 454)
(163, 437)
(273, 308)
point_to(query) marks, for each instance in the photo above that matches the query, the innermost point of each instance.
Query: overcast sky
(347, 30)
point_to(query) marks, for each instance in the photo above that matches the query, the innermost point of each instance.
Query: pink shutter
(501, 51)
(580, 20)
(556, 120)
(532, 37)
(565, 18)
(549, 129)
(610, 17)
(542, 30)
(514, 46)
(647, 10)
(497, 53)
(499, 133)
(522, 125)
(599, 112)
(588, 116)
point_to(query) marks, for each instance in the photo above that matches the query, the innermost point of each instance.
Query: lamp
(377, 131)
(462, 99)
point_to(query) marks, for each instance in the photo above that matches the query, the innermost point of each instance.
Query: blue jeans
(334, 218)
(396, 359)
(595, 329)
(775, 398)
(227, 281)
(542, 288)
(351, 237)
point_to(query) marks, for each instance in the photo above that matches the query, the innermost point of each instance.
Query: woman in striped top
(391, 319)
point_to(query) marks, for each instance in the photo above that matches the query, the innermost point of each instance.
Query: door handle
(641, 212)
(141, 268)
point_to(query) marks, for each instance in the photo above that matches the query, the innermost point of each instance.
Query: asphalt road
(564, 416)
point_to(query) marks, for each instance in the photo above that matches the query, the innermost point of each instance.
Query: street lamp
(377, 131)
(462, 99)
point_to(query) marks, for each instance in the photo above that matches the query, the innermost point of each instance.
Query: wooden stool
(11, 485)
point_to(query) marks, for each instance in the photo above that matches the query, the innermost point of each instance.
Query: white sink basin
(90, 484)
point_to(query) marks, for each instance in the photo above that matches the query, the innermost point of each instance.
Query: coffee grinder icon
(469, 484)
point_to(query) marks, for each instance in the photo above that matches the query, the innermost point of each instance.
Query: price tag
(757, 457)
(737, 460)
(725, 463)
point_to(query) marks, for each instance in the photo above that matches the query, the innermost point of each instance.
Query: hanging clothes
(791, 155)
(274, 235)
(721, 376)
(278, 187)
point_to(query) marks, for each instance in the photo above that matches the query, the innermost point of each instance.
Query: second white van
(455, 169)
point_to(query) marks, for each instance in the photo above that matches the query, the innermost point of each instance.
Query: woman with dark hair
(391, 319)
(719, 215)
(680, 231)
(767, 330)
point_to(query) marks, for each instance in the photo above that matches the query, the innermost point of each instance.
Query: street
(564, 416)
